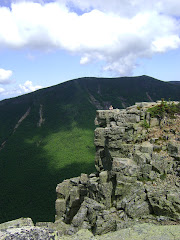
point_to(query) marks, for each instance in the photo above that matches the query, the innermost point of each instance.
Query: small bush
(164, 109)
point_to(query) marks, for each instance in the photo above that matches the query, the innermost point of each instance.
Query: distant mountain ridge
(47, 136)
(175, 82)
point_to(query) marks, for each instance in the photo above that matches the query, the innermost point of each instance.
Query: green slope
(35, 159)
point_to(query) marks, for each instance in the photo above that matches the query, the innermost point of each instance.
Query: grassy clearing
(67, 147)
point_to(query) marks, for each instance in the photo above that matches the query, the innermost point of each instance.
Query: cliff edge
(137, 179)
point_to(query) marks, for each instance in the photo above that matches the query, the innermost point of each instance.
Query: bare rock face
(137, 177)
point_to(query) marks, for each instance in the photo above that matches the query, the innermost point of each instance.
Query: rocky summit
(135, 191)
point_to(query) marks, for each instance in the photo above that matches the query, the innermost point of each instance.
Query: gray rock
(104, 225)
(84, 178)
(17, 223)
(134, 200)
(147, 147)
(74, 197)
(124, 165)
(103, 177)
(58, 226)
(63, 189)
(105, 193)
(99, 137)
(27, 233)
(82, 234)
(164, 202)
(144, 231)
(74, 181)
(154, 122)
(60, 206)
(80, 217)
(174, 148)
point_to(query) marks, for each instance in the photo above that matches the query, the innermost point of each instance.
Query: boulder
(17, 223)
(174, 148)
(164, 201)
(26, 233)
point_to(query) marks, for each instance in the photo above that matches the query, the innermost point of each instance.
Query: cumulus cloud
(10, 92)
(14, 90)
(5, 76)
(117, 32)
(28, 87)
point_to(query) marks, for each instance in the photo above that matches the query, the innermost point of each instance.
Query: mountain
(47, 136)
(175, 82)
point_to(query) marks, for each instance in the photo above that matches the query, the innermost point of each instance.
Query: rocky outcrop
(136, 182)
(22, 119)
(23, 229)
(25, 115)
(41, 119)
(137, 177)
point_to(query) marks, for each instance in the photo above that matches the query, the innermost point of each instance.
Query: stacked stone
(134, 181)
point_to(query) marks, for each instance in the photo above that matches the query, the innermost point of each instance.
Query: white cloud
(10, 92)
(16, 90)
(166, 43)
(127, 7)
(5, 76)
(117, 32)
(28, 87)
(2, 90)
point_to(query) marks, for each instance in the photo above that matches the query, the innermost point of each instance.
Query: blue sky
(43, 43)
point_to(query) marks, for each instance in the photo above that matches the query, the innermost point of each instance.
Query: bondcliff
(137, 178)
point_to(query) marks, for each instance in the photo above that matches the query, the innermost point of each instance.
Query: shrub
(164, 109)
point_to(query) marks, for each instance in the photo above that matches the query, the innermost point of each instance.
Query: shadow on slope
(28, 183)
